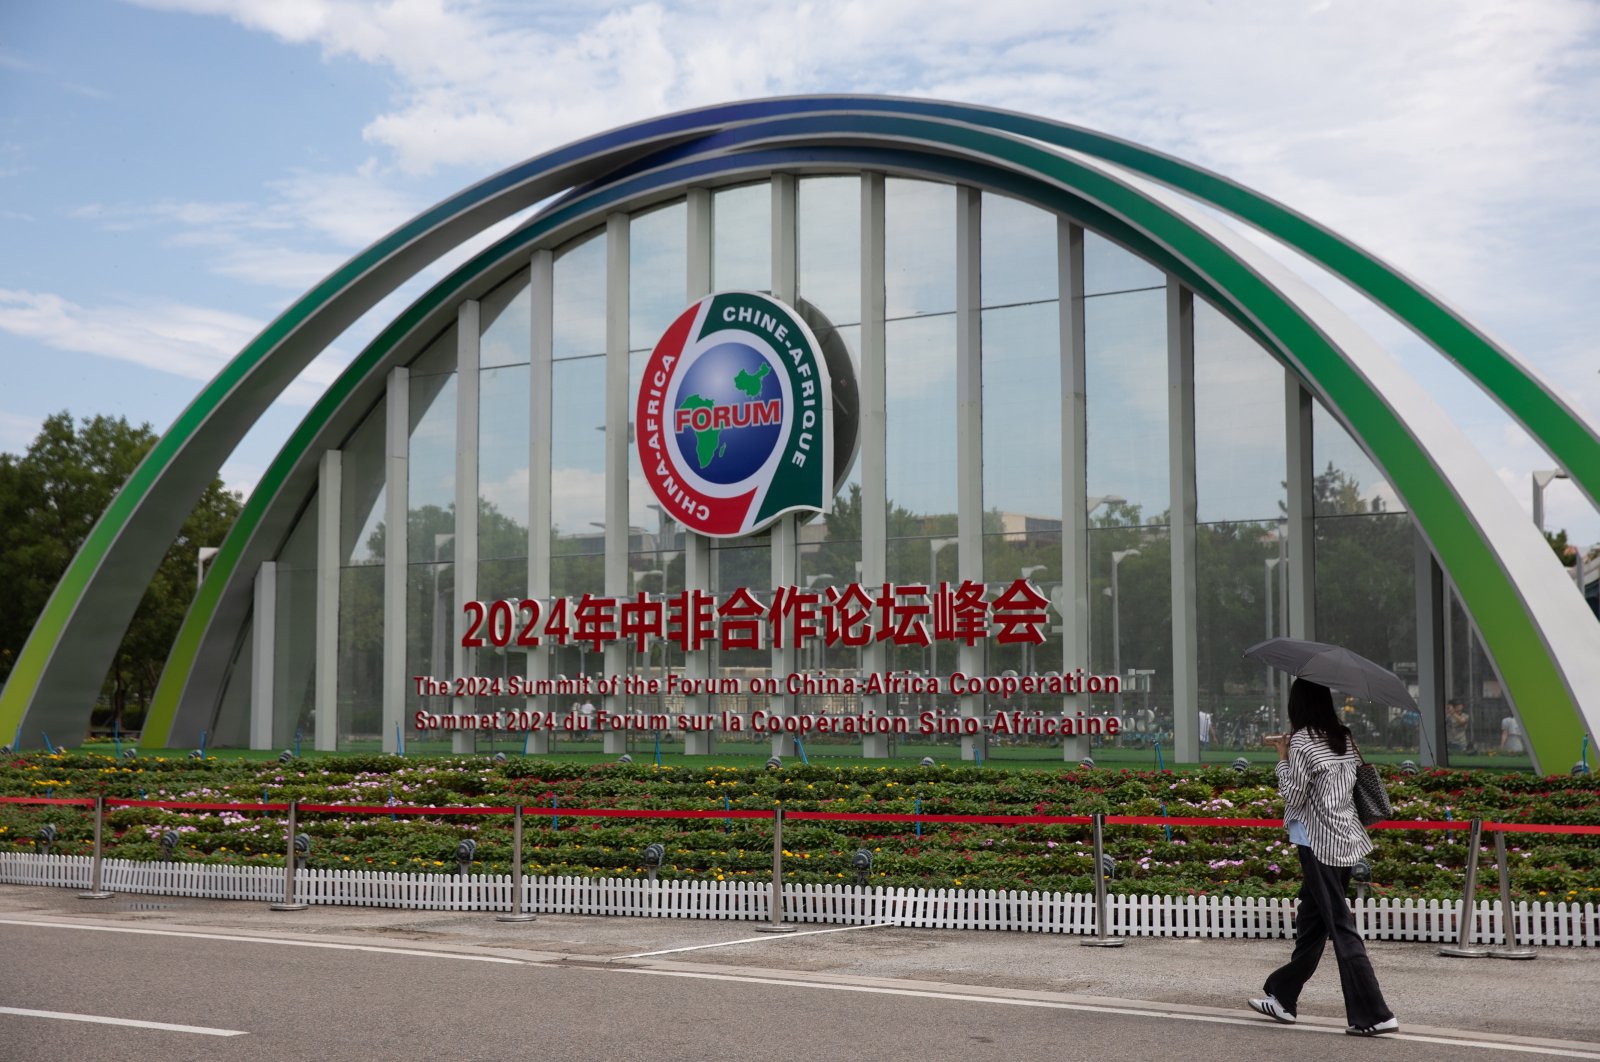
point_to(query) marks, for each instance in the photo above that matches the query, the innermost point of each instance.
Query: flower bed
(1201, 860)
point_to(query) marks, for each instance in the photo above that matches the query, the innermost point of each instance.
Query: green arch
(1430, 498)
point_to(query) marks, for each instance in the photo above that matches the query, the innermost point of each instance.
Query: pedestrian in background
(1316, 773)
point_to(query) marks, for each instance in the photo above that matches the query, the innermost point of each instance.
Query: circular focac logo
(735, 416)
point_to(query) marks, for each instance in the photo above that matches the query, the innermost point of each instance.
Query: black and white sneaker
(1270, 1006)
(1382, 1027)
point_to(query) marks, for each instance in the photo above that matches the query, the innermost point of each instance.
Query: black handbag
(1370, 796)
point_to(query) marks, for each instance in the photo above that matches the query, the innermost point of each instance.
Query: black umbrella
(1333, 666)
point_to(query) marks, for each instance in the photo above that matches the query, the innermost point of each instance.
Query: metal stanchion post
(776, 924)
(97, 889)
(517, 913)
(1469, 899)
(1101, 939)
(289, 903)
(1508, 916)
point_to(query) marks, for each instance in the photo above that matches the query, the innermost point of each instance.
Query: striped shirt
(1316, 787)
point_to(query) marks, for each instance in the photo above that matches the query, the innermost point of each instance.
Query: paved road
(367, 984)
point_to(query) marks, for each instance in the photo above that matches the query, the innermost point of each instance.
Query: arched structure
(1544, 646)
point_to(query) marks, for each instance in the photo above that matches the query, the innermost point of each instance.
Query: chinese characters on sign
(907, 614)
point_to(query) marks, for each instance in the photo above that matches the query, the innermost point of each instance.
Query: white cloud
(278, 267)
(330, 215)
(184, 340)
(193, 342)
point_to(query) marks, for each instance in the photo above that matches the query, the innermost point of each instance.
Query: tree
(1567, 552)
(50, 499)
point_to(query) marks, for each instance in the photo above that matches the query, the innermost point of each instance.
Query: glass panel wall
(1365, 577)
(1022, 423)
(1130, 622)
(658, 286)
(1240, 462)
(362, 499)
(230, 728)
(920, 357)
(431, 490)
(503, 318)
(741, 257)
(1363, 545)
(361, 550)
(1482, 728)
(829, 248)
(1126, 387)
(1125, 371)
(294, 662)
(741, 238)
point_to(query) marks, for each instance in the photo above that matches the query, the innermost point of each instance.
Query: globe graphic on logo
(736, 388)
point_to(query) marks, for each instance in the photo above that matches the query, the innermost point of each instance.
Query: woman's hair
(1311, 708)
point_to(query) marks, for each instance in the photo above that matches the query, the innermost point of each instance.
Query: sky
(174, 173)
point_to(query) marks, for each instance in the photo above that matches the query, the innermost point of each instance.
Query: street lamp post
(1266, 599)
(634, 578)
(1027, 574)
(441, 614)
(1541, 480)
(1117, 557)
(1103, 499)
(934, 546)
(820, 645)
(205, 554)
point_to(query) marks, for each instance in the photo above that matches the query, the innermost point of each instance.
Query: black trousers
(1323, 913)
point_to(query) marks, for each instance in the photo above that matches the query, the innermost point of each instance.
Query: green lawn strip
(1225, 860)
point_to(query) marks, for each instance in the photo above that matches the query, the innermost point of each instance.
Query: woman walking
(1316, 773)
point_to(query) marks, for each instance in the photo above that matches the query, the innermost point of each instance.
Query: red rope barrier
(811, 816)
(189, 805)
(845, 816)
(82, 802)
(1524, 827)
(647, 813)
(402, 809)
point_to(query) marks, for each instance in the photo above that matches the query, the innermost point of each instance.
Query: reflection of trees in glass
(1235, 564)
(1364, 587)
(1338, 493)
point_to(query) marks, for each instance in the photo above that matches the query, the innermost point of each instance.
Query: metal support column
(616, 456)
(263, 653)
(465, 661)
(1180, 443)
(874, 421)
(541, 284)
(1432, 733)
(1074, 603)
(397, 502)
(330, 486)
(1298, 584)
(969, 431)
(697, 574)
(785, 552)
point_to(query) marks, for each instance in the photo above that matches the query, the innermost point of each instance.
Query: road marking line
(198, 1030)
(1175, 1015)
(756, 940)
(267, 940)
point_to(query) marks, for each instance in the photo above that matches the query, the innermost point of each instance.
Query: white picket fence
(1538, 924)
